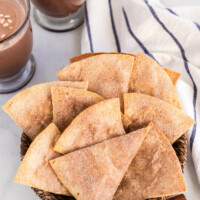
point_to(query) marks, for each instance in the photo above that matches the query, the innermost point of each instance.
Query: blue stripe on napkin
(134, 36)
(113, 27)
(186, 67)
(171, 11)
(88, 28)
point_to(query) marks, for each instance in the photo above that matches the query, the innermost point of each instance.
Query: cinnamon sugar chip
(154, 172)
(69, 102)
(108, 74)
(95, 124)
(142, 109)
(96, 172)
(34, 104)
(35, 170)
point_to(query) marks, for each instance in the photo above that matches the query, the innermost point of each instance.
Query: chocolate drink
(58, 8)
(16, 50)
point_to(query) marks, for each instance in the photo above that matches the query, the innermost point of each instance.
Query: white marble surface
(52, 51)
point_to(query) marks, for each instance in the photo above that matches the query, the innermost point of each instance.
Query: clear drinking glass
(17, 65)
(59, 15)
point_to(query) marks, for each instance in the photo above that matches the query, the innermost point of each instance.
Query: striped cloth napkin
(169, 35)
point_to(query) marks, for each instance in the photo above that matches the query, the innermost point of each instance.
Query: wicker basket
(180, 147)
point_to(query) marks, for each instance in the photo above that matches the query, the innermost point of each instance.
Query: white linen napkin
(170, 35)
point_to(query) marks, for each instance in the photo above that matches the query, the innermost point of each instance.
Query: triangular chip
(95, 124)
(94, 173)
(31, 108)
(149, 78)
(108, 74)
(69, 102)
(142, 109)
(174, 76)
(154, 172)
(35, 170)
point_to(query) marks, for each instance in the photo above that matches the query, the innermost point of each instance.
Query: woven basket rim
(180, 147)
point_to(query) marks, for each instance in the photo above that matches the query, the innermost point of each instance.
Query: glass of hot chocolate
(17, 65)
(59, 15)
